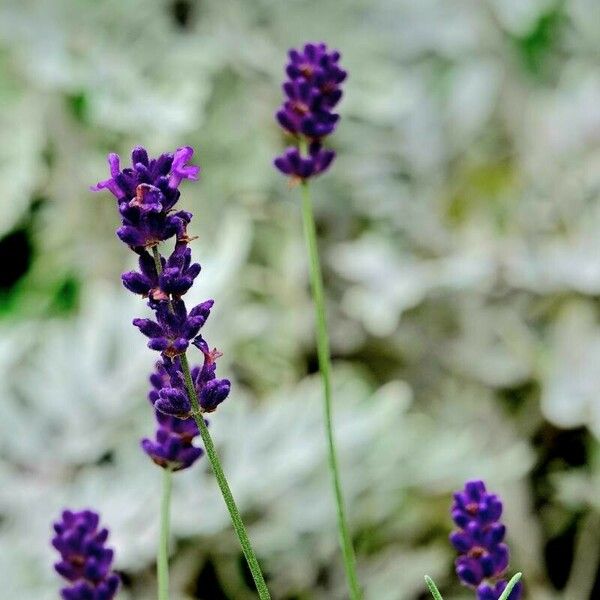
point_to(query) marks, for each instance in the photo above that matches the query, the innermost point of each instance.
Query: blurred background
(459, 231)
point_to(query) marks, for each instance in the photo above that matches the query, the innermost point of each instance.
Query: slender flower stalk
(162, 558)
(146, 194)
(433, 588)
(324, 357)
(311, 93)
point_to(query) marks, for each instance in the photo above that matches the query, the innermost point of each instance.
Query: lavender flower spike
(483, 556)
(146, 194)
(311, 92)
(85, 561)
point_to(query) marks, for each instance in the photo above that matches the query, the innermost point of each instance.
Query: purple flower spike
(483, 557)
(311, 93)
(146, 193)
(85, 561)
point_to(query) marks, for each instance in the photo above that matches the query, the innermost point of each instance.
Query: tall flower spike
(311, 92)
(479, 540)
(146, 193)
(85, 560)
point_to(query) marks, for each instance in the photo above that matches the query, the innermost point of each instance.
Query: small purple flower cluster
(172, 448)
(483, 557)
(146, 194)
(85, 561)
(311, 93)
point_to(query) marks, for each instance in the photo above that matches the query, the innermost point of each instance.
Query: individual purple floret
(146, 193)
(85, 561)
(293, 164)
(483, 557)
(177, 277)
(211, 391)
(174, 327)
(311, 93)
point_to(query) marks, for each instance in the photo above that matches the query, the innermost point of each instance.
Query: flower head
(146, 193)
(483, 557)
(85, 561)
(310, 94)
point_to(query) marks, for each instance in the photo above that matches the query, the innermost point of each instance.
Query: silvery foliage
(476, 271)
(75, 410)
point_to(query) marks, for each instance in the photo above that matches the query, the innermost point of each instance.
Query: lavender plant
(146, 194)
(311, 92)
(483, 555)
(85, 561)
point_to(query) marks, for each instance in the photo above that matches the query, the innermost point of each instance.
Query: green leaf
(510, 586)
(433, 588)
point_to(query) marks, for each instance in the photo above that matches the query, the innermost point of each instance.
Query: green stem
(211, 452)
(234, 513)
(316, 281)
(162, 560)
(510, 586)
(433, 588)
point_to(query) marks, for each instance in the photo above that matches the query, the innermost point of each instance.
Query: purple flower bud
(483, 557)
(293, 164)
(85, 561)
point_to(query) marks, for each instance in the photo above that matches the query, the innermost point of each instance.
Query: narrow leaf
(433, 588)
(510, 586)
